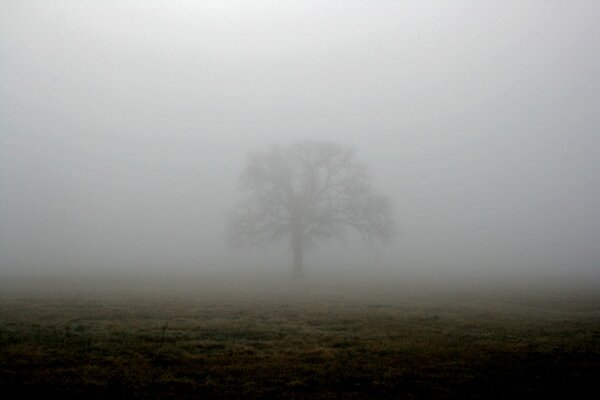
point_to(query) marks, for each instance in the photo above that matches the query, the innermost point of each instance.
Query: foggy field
(296, 340)
(299, 199)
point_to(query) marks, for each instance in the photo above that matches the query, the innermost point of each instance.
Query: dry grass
(299, 346)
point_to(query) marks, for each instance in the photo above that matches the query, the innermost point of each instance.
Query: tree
(308, 192)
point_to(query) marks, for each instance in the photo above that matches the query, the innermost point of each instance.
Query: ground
(299, 343)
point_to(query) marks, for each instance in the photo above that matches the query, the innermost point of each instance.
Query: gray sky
(124, 127)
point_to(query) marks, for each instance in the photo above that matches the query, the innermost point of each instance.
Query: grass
(298, 344)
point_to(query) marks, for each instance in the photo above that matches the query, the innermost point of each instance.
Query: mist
(125, 126)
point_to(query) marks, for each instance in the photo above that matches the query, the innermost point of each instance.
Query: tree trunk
(298, 251)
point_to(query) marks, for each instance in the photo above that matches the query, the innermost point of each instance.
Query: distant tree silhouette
(307, 192)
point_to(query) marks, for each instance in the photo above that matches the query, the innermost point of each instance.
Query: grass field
(299, 343)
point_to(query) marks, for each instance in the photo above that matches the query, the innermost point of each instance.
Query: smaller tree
(308, 192)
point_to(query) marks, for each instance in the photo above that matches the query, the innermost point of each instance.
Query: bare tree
(308, 192)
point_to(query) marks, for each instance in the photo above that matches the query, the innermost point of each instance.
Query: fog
(124, 128)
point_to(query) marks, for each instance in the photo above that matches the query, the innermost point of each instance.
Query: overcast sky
(124, 128)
